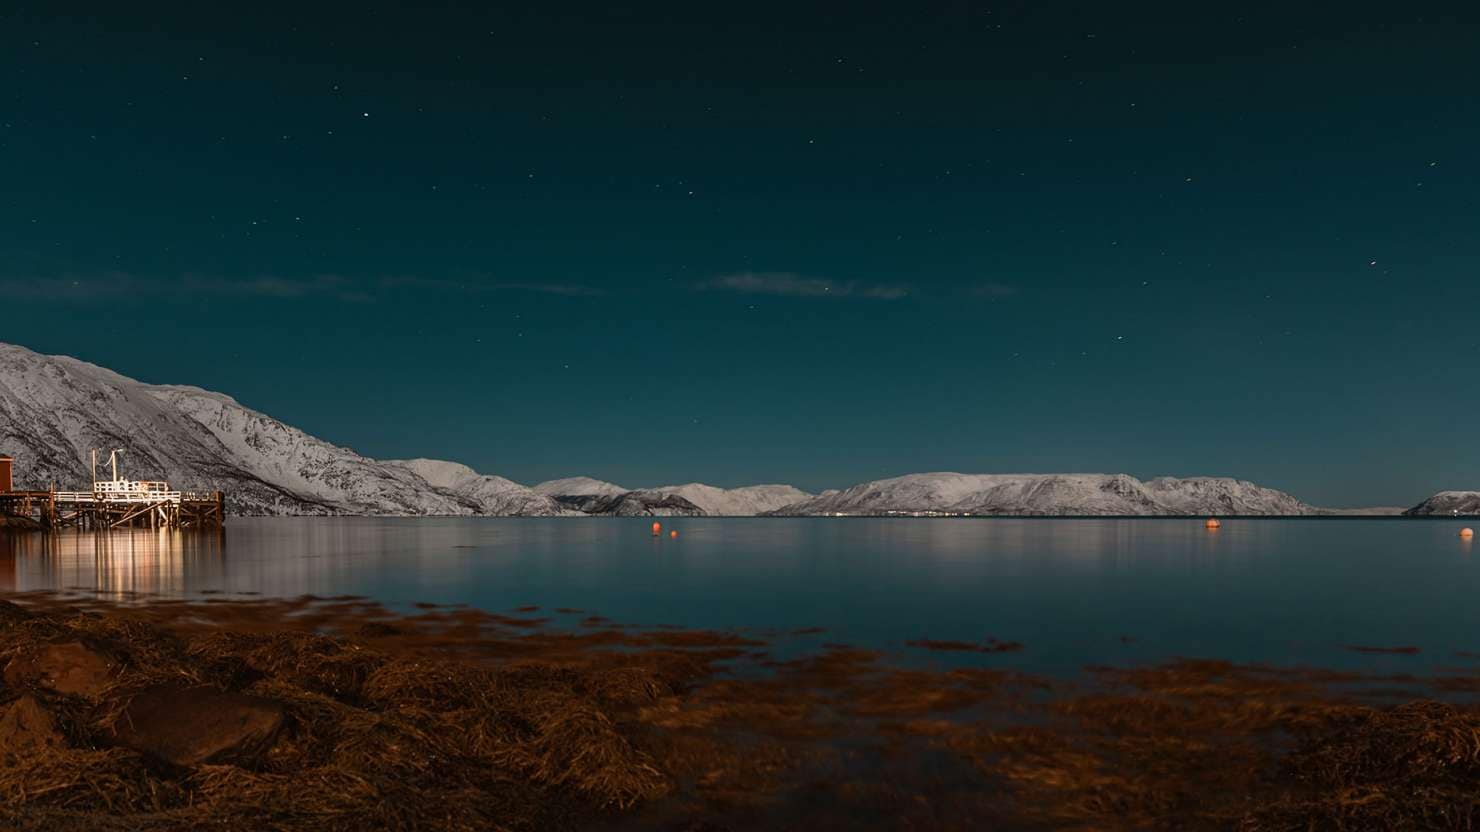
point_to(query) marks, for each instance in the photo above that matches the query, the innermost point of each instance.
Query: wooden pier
(153, 509)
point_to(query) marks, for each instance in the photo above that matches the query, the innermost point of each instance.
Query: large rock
(27, 728)
(191, 726)
(69, 667)
(12, 613)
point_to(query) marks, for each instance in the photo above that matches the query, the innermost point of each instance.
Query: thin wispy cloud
(485, 284)
(789, 284)
(568, 290)
(269, 286)
(111, 286)
(993, 290)
(103, 287)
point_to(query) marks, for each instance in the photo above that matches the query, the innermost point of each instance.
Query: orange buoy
(1467, 532)
(657, 528)
(1213, 523)
(673, 534)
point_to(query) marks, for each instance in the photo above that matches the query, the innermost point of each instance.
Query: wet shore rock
(20, 524)
(27, 728)
(69, 667)
(192, 726)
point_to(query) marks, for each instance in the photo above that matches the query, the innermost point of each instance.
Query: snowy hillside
(1223, 495)
(579, 492)
(579, 487)
(54, 410)
(736, 502)
(632, 504)
(489, 494)
(1052, 494)
(1448, 503)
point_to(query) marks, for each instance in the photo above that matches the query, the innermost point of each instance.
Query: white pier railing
(121, 497)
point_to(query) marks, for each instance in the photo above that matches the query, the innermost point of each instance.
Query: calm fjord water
(1074, 592)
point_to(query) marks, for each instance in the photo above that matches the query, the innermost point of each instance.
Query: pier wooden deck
(101, 510)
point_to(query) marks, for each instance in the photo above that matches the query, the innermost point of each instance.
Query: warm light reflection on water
(117, 563)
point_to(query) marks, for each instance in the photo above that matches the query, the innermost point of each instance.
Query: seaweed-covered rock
(27, 728)
(68, 667)
(11, 613)
(190, 726)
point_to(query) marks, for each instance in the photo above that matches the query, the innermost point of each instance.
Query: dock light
(657, 528)
(673, 534)
(1213, 523)
(1467, 532)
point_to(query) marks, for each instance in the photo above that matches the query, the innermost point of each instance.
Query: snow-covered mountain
(632, 504)
(1052, 494)
(579, 487)
(489, 494)
(55, 409)
(581, 493)
(1223, 495)
(736, 502)
(1447, 503)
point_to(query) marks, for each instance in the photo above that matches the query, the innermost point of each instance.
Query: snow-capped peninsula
(1447, 503)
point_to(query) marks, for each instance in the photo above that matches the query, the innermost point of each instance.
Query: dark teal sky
(795, 243)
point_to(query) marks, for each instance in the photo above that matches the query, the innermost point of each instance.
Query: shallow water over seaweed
(1071, 592)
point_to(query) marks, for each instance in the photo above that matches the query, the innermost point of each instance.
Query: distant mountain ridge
(55, 409)
(591, 495)
(579, 487)
(736, 502)
(490, 495)
(632, 504)
(1052, 495)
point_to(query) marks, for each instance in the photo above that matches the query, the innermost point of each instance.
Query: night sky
(741, 243)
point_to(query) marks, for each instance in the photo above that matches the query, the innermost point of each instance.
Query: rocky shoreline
(319, 714)
(21, 524)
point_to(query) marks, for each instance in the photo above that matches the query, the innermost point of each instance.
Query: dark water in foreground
(1074, 592)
